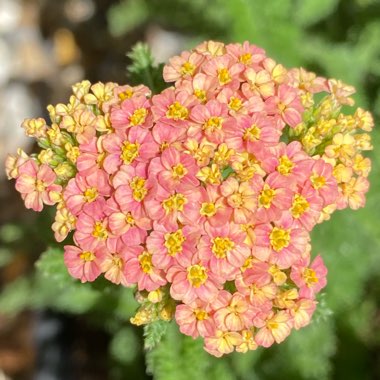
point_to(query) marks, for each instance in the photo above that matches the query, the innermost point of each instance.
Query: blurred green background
(56, 43)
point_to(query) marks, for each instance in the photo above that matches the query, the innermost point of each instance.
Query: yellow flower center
(197, 275)
(178, 171)
(174, 203)
(246, 58)
(299, 206)
(279, 238)
(200, 314)
(281, 106)
(130, 219)
(164, 145)
(213, 123)
(236, 200)
(318, 181)
(235, 103)
(272, 325)
(145, 260)
(129, 152)
(90, 194)
(100, 159)
(40, 186)
(187, 68)
(310, 276)
(177, 111)
(285, 166)
(224, 76)
(137, 184)
(127, 94)
(99, 231)
(208, 209)
(252, 133)
(248, 263)
(174, 242)
(117, 262)
(201, 95)
(221, 246)
(138, 117)
(87, 256)
(266, 196)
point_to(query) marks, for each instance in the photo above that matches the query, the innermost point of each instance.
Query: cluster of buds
(202, 197)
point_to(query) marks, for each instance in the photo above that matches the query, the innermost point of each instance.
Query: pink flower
(223, 248)
(173, 107)
(223, 342)
(120, 93)
(212, 206)
(195, 319)
(310, 279)
(128, 224)
(242, 198)
(192, 281)
(290, 160)
(91, 156)
(208, 119)
(84, 262)
(252, 133)
(277, 327)
(323, 182)
(13, 162)
(138, 146)
(258, 83)
(184, 66)
(352, 193)
(275, 195)
(140, 270)
(84, 190)
(201, 86)
(133, 187)
(133, 112)
(225, 69)
(287, 104)
(233, 312)
(306, 208)
(36, 185)
(113, 263)
(91, 227)
(247, 54)
(260, 293)
(167, 136)
(167, 208)
(174, 170)
(302, 312)
(280, 243)
(172, 245)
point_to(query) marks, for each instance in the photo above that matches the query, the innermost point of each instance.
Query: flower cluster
(203, 196)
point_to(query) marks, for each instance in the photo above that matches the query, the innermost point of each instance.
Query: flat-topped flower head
(203, 196)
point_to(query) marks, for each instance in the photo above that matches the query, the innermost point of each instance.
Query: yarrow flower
(202, 197)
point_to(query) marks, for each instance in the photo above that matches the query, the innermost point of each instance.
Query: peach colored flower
(84, 262)
(195, 319)
(277, 327)
(36, 185)
(140, 269)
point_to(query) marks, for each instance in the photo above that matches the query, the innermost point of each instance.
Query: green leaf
(153, 333)
(54, 287)
(179, 357)
(227, 171)
(142, 70)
